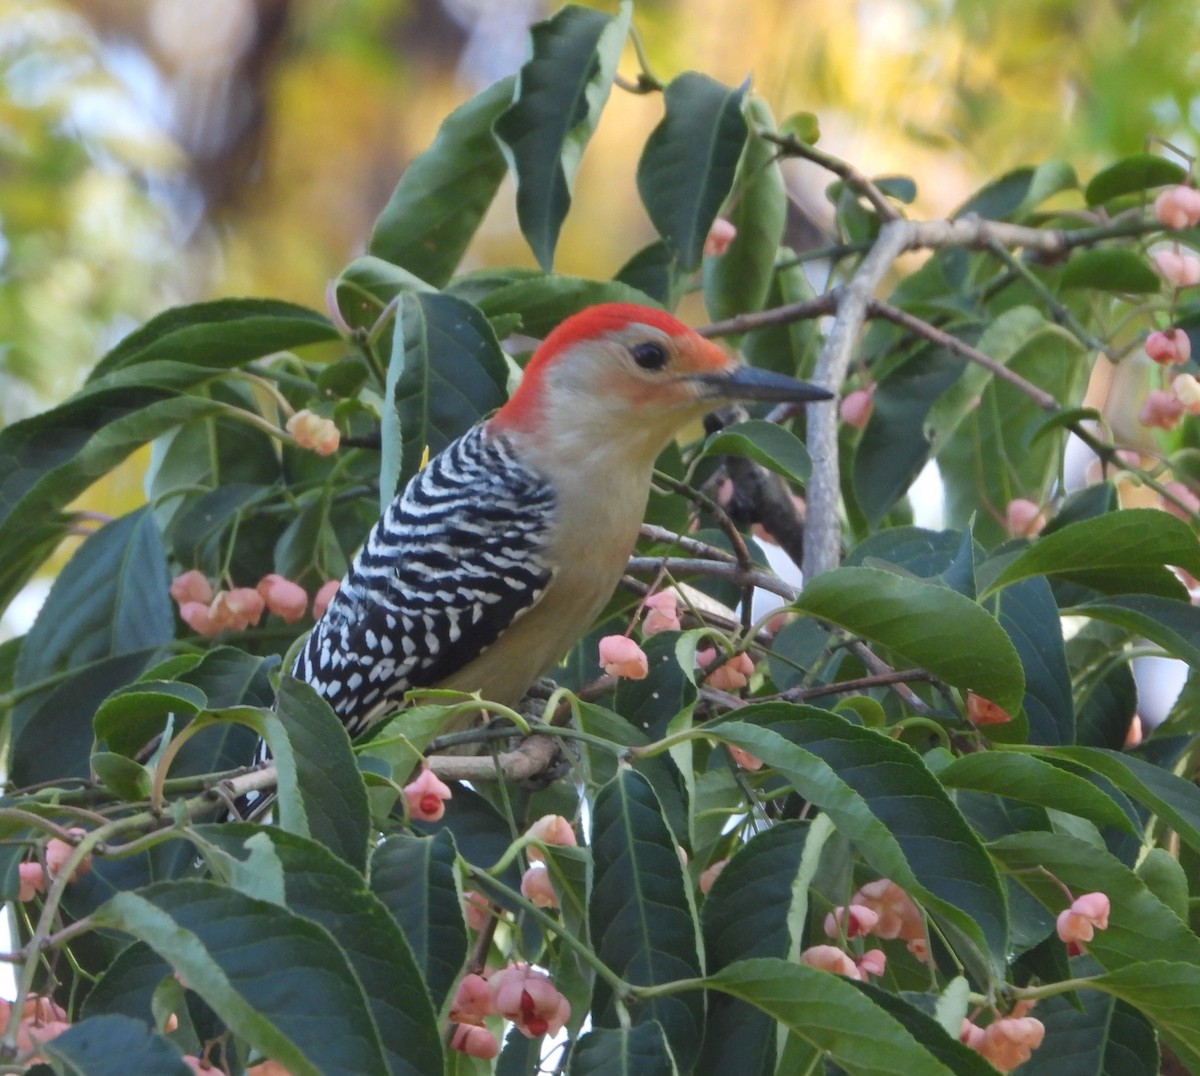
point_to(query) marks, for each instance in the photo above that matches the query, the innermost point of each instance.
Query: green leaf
(999, 430)
(1168, 993)
(830, 1014)
(561, 90)
(129, 718)
(1113, 269)
(1093, 1034)
(1174, 800)
(218, 335)
(124, 778)
(642, 921)
(542, 301)
(444, 193)
(330, 785)
(1028, 613)
(322, 888)
(749, 912)
(1131, 175)
(929, 625)
(894, 447)
(1138, 924)
(415, 879)
(641, 1050)
(739, 280)
(777, 449)
(1000, 198)
(791, 348)
(687, 167)
(446, 372)
(1030, 780)
(128, 984)
(1098, 552)
(1173, 625)
(115, 1046)
(881, 797)
(276, 979)
(111, 601)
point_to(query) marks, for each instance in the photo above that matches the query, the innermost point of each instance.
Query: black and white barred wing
(455, 559)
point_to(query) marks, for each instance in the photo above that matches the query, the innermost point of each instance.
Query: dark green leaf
(330, 784)
(777, 449)
(322, 888)
(747, 913)
(641, 1050)
(881, 796)
(641, 915)
(1131, 175)
(1028, 614)
(1096, 1036)
(1138, 924)
(128, 719)
(1028, 779)
(415, 879)
(561, 90)
(1000, 198)
(1115, 269)
(542, 301)
(1173, 625)
(446, 372)
(687, 167)
(218, 335)
(1168, 993)
(115, 1046)
(929, 625)
(110, 605)
(1097, 552)
(444, 193)
(128, 984)
(739, 280)
(652, 271)
(278, 980)
(830, 1014)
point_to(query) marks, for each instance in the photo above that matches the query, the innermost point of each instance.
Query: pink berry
(1167, 346)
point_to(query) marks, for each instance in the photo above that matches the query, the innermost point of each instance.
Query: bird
(502, 551)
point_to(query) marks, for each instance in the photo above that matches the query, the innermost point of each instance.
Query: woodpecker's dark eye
(649, 356)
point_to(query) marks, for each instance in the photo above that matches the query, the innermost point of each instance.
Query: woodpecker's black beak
(748, 383)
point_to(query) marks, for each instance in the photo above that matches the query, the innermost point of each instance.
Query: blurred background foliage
(156, 152)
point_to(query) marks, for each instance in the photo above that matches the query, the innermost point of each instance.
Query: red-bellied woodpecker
(501, 553)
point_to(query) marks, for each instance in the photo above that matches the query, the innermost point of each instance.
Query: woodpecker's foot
(540, 689)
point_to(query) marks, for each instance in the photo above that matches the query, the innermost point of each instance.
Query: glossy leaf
(641, 915)
(1029, 779)
(446, 372)
(640, 1050)
(828, 1012)
(1117, 270)
(1098, 552)
(443, 194)
(1139, 924)
(777, 449)
(882, 798)
(749, 912)
(1132, 175)
(128, 719)
(1168, 993)
(542, 301)
(561, 90)
(278, 980)
(324, 889)
(1028, 614)
(738, 280)
(1173, 625)
(330, 786)
(116, 1046)
(688, 165)
(931, 626)
(109, 609)
(415, 878)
